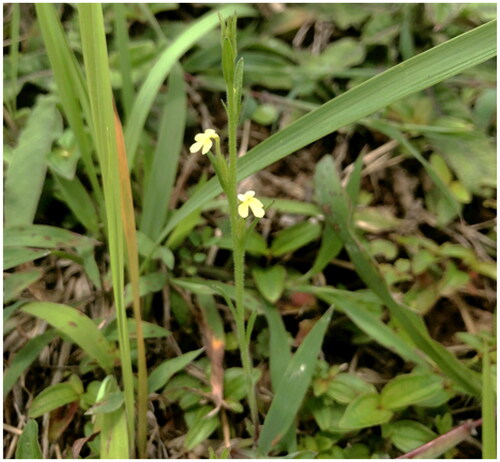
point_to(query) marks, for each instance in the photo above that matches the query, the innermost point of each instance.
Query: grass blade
(160, 181)
(71, 87)
(24, 358)
(127, 209)
(415, 74)
(122, 44)
(78, 327)
(352, 305)
(334, 203)
(103, 121)
(293, 386)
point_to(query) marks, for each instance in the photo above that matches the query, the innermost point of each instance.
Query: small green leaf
(200, 427)
(346, 387)
(111, 403)
(364, 411)
(162, 374)
(270, 281)
(28, 446)
(409, 389)
(407, 435)
(53, 397)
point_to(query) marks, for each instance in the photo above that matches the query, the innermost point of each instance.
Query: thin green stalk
(232, 74)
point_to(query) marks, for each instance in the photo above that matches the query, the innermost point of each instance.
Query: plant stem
(238, 233)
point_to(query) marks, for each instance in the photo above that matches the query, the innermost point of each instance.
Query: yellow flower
(249, 201)
(204, 141)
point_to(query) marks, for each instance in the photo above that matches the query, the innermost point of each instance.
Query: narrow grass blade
(122, 44)
(13, 256)
(15, 283)
(127, 211)
(44, 237)
(488, 406)
(23, 359)
(415, 74)
(28, 446)
(78, 327)
(105, 136)
(26, 172)
(71, 87)
(394, 133)
(333, 201)
(279, 357)
(353, 306)
(79, 202)
(144, 100)
(293, 386)
(161, 177)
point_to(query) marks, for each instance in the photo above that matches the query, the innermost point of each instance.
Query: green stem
(238, 232)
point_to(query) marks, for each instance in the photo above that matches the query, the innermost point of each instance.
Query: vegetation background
(417, 177)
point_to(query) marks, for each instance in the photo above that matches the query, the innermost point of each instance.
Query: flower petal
(257, 207)
(243, 210)
(242, 197)
(196, 146)
(206, 146)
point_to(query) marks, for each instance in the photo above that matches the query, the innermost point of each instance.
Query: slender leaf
(293, 386)
(163, 171)
(354, 306)
(45, 237)
(13, 256)
(78, 327)
(162, 374)
(23, 359)
(106, 139)
(15, 283)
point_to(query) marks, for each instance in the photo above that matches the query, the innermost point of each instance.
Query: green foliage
(398, 235)
(28, 446)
